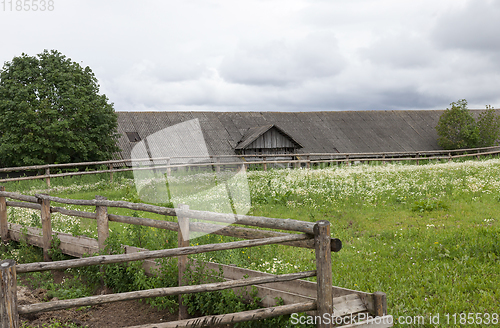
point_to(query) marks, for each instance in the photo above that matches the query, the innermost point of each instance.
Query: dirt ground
(119, 314)
(112, 315)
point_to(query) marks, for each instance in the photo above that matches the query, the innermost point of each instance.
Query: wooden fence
(222, 162)
(320, 298)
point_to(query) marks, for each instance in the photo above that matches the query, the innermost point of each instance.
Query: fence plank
(106, 259)
(259, 314)
(158, 292)
(16, 196)
(74, 246)
(9, 317)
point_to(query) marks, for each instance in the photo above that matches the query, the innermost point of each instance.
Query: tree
(488, 124)
(51, 112)
(457, 128)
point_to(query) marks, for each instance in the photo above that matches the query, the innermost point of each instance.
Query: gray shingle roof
(316, 132)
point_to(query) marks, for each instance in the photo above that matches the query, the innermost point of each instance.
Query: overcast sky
(272, 55)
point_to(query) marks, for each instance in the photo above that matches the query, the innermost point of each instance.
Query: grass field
(426, 235)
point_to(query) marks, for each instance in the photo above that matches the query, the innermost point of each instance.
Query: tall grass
(426, 235)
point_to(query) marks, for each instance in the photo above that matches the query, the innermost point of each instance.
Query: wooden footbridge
(327, 305)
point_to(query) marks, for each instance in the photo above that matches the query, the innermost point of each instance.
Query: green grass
(426, 235)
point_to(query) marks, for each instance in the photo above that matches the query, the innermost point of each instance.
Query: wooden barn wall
(271, 139)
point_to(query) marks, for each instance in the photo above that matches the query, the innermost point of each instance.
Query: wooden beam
(16, 196)
(324, 268)
(106, 259)
(380, 301)
(223, 319)
(111, 203)
(9, 317)
(4, 228)
(102, 223)
(25, 205)
(182, 241)
(173, 226)
(258, 221)
(46, 228)
(158, 292)
(47, 177)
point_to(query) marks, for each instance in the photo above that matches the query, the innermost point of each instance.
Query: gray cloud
(281, 62)
(475, 27)
(273, 55)
(401, 51)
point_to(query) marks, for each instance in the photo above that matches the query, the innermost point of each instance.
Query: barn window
(133, 136)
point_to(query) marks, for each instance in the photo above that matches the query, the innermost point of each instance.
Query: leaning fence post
(323, 269)
(182, 241)
(9, 317)
(4, 227)
(102, 223)
(47, 177)
(46, 227)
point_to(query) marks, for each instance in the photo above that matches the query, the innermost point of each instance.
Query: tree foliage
(457, 128)
(51, 112)
(488, 124)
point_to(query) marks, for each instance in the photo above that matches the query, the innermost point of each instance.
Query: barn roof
(316, 132)
(253, 133)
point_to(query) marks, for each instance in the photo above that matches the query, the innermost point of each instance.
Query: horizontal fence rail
(321, 296)
(171, 252)
(159, 292)
(225, 161)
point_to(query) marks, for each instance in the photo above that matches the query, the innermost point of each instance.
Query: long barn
(230, 133)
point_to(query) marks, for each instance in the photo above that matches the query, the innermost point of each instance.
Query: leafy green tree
(488, 124)
(457, 128)
(51, 112)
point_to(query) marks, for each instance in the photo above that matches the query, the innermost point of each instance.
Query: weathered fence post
(9, 317)
(449, 157)
(182, 241)
(217, 165)
(380, 302)
(4, 226)
(265, 164)
(46, 228)
(102, 224)
(169, 170)
(47, 177)
(417, 156)
(323, 270)
(110, 166)
(308, 163)
(347, 162)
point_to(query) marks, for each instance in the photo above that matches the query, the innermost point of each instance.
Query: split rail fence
(223, 162)
(318, 298)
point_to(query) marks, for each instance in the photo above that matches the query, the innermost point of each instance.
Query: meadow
(426, 235)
